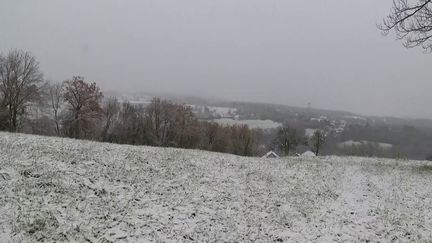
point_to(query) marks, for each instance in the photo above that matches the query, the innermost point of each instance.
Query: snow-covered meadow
(253, 124)
(55, 189)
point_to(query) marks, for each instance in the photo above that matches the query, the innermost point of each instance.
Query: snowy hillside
(253, 124)
(57, 189)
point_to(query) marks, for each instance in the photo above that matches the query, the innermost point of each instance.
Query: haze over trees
(77, 108)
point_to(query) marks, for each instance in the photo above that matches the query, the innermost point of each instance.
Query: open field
(253, 124)
(55, 189)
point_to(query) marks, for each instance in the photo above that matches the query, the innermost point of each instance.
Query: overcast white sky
(327, 52)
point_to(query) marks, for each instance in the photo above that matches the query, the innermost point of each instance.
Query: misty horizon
(293, 53)
(213, 98)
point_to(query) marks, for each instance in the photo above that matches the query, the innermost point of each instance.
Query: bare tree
(110, 111)
(412, 22)
(84, 101)
(55, 93)
(3, 108)
(286, 139)
(186, 129)
(242, 140)
(2, 93)
(211, 130)
(215, 137)
(20, 81)
(161, 116)
(317, 141)
(131, 126)
(172, 124)
(154, 117)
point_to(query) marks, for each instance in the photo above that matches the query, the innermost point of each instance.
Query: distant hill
(284, 110)
(407, 137)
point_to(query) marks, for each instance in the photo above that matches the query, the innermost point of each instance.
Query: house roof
(271, 154)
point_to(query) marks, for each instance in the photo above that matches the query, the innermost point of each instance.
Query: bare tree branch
(412, 23)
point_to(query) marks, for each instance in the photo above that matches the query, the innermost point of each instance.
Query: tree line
(77, 108)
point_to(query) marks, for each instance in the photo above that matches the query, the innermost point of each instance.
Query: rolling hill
(58, 189)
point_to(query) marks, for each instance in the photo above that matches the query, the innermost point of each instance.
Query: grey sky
(327, 52)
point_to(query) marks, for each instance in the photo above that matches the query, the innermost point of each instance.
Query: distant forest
(77, 108)
(410, 138)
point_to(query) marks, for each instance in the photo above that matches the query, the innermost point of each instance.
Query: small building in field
(271, 155)
(308, 154)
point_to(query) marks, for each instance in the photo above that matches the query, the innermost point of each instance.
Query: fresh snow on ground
(308, 154)
(55, 189)
(253, 124)
(351, 143)
(309, 132)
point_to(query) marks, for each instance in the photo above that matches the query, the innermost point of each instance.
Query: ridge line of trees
(76, 108)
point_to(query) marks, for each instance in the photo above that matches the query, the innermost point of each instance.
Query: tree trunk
(57, 128)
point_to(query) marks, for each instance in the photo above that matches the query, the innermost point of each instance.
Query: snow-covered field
(216, 111)
(351, 143)
(55, 189)
(253, 124)
(309, 132)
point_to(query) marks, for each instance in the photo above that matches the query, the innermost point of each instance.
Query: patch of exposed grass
(424, 168)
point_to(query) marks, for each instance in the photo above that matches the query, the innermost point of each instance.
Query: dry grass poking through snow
(55, 189)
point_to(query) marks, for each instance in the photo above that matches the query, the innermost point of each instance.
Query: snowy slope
(253, 124)
(57, 189)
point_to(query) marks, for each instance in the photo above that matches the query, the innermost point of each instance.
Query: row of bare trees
(163, 123)
(160, 123)
(76, 108)
(287, 139)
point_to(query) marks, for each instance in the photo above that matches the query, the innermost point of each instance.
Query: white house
(271, 155)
